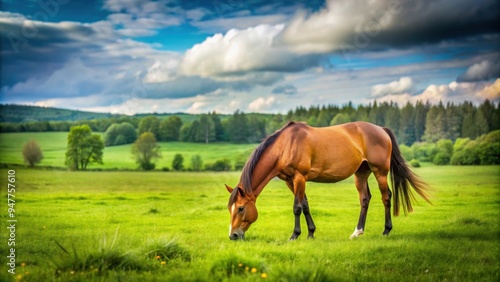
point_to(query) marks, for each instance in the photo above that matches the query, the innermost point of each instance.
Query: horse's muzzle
(236, 236)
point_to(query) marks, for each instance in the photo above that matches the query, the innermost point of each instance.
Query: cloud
(261, 104)
(349, 25)
(241, 51)
(287, 89)
(456, 92)
(484, 70)
(403, 85)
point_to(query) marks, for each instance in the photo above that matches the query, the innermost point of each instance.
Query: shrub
(196, 163)
(238, 165)
(407, 152)
(441, 158)
(415, 163)
(32, 153)
(178, 162)
(219, 165)
(489, 149)
(424, 151)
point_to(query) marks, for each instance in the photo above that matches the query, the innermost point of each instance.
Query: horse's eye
(240, 209)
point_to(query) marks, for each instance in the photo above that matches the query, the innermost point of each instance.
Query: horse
(297, 153)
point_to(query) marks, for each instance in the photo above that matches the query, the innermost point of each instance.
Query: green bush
(178, 162)
(489, 149)
(196, 163)
(424, 151)
(441, 158)
(407, 152)
(219, 165)
(415, 163)
(119, 134)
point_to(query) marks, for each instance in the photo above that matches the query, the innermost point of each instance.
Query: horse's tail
(401, 176)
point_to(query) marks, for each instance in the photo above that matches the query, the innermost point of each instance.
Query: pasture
(53, 145)
(174, 227)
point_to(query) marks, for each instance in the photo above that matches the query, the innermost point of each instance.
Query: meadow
(53, 145)
(173, 226)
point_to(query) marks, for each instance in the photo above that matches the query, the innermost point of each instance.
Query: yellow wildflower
(254, 270)
(263, 275)
(163, 262)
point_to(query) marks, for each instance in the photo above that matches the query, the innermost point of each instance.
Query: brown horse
(298, 153)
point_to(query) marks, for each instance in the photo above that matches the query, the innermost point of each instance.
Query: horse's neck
(263, 172)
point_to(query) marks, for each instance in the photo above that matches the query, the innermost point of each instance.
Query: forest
(411, 123)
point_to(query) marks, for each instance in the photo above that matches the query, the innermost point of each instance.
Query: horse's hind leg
(310, 223)
(386, 199)
(361, 179)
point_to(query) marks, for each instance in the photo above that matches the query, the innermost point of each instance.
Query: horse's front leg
(300, 205)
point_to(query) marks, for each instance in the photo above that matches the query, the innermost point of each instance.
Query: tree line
(420, 122)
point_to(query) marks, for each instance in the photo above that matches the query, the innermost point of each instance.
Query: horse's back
(331, 154)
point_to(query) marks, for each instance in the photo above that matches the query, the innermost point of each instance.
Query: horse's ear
(229, 189)
(242, 193)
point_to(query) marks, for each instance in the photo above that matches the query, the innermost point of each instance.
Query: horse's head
(243, 212)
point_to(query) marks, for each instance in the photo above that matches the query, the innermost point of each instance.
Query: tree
(149, 124)
(32, 153)
(178, 162)
(83, 148)
(206, 130)
(407, 129)
(435, 125)
(393, 121)
(340, 118)
(146, 151)
(119, 134)
(420, 116)
(196, 163)
(169, 129)
(237, 128)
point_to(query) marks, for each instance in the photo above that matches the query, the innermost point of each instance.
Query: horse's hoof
(356, 233)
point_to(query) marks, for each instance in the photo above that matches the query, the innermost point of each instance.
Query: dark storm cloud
(484, 70)
(33, 48)
(381, 25)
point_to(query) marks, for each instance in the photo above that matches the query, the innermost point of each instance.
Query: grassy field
(53, 145)
(173, 227)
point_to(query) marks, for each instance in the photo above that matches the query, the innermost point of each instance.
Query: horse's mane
(246, 174)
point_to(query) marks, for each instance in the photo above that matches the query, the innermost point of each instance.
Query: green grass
(53, 145)
(183, 219)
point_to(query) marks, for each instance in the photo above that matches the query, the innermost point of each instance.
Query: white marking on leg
(356, 233)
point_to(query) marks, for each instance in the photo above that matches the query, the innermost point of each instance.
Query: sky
(134, 56)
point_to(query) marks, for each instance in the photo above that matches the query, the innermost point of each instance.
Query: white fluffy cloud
(262, 104)
(403, 85)
(453, 92)
(236, 52)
